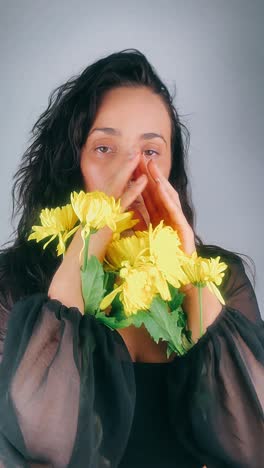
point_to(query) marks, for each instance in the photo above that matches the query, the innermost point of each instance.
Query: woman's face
(127, 121)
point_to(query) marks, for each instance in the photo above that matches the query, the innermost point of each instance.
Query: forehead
(134, 107)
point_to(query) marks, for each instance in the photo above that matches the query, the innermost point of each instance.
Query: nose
(132, 153)
(137, 172)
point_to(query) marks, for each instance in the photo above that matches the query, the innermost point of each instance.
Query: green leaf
(145, 317)
(109, 279)
(92, 284)
(163, 325)
(187, 339)
(176, 297)
(182, 320)
(112, 322)
(117, 308)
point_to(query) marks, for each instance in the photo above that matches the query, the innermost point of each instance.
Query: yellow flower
(156, 253)
(149, 260)
(136, 291)
(164, 248)
(205, 272)
(138, 287)
(131, 249)
(96, 210)
(158, 282)
(125, 223)
(55, 222)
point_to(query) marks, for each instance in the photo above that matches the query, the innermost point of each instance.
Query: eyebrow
(114, 131)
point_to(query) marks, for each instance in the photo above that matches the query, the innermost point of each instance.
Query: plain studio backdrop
(211, 50)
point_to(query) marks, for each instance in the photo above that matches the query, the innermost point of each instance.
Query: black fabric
(152, 441)
(70, 395)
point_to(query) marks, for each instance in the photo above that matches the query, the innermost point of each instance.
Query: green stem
(85, 252)
(200, 307)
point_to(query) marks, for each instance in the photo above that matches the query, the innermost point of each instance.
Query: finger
(131, 193)
(153, 209)
(150, 195)
(162, 182)
(140, 211)
(122, 175)
(168, 196)
(154, 202)
(178, 220)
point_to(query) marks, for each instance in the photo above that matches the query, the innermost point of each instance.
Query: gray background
(211, 50)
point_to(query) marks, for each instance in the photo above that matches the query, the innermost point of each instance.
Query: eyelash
(104, 146)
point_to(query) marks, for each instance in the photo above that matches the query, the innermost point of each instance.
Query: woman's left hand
(162, 202)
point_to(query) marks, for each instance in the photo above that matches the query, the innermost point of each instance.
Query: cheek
(164, 166)
(95, 176)
(86, 171)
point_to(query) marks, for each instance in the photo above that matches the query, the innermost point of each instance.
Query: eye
(152, 151)
(102, 147)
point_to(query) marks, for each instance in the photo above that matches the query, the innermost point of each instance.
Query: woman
(74, 393)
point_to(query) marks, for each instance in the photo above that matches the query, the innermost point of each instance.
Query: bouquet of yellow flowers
(139, 279)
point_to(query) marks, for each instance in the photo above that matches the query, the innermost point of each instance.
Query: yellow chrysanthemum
(157, 256)
(96, 210)
(164, 248)
(131, 249)
(154, 250)
(55, 222)
(136, 293)
(136, 290)
(138, 287)
(205, 272)
(158, 282)
(125, 223)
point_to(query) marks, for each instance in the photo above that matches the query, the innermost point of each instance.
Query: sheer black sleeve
(216, 391)
(67, 390)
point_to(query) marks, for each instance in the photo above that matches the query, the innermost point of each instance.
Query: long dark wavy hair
(50, 167)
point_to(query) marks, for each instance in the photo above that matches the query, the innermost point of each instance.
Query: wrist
(188, 240)
(187, 287)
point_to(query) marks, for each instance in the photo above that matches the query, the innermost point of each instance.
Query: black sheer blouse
(70, 395)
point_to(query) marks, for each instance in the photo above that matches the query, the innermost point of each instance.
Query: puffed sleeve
(216, 390)
(67, 391)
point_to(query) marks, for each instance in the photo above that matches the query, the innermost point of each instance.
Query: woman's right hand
(66, 283)
(118, 187)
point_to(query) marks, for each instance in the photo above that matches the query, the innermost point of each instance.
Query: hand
(116, 185)
(65, 285)
(162, 202)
